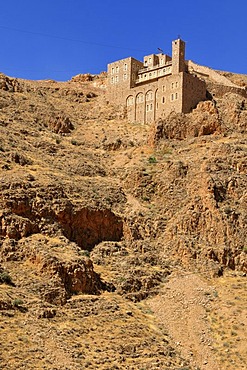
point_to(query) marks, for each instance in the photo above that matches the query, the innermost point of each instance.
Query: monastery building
(155, 87)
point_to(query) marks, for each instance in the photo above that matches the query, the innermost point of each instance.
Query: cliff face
(93, 205)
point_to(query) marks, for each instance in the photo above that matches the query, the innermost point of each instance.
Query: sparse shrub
(245, 249)
(17, 302)
(74, 142)
(152, 159)
(6, 278)
(85, 253)
(146, 199)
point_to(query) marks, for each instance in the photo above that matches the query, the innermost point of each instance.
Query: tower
(178, 55)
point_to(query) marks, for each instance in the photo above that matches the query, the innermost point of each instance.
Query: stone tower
(178, 56)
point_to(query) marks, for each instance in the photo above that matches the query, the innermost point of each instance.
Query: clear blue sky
(58, 39)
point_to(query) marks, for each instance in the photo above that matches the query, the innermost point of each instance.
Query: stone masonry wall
(194, 90)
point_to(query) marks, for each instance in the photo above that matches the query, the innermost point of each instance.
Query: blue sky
(58, 39)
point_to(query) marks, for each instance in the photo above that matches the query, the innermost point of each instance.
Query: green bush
(17, 302)
(5, 278)
(152, 159)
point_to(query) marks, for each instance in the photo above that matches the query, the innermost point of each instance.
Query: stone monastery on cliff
(156, 87)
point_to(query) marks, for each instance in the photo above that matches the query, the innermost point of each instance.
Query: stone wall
(194, 90)
(122, 76)
(208, 72)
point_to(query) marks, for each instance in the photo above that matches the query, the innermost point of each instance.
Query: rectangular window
(116, 79)
(125, 77)
(172, 97)
(176, 84)
(117, 68)
(125, 67)
(112, 70)
(112, 80)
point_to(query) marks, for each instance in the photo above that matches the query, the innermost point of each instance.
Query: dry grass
(228, 320)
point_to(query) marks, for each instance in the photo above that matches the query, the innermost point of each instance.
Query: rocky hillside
(118, 240)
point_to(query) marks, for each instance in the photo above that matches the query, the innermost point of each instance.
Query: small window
(176, 96)
(163, 100)
(151, 106)
(112, 70)
(172, 97)
(176, 84)
(130, 101)
(147, 108)
(125, 67)
(150, 60)
(116, 79)
(117, 69)
(163, 88)
(112, 80)
(173, 85)
(125, 77)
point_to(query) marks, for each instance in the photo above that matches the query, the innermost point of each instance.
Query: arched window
(149, 95)
(130, 100)
(140, 98)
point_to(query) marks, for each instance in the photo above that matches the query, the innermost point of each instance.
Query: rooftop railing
(158, 66)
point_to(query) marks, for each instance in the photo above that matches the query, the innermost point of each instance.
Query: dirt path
(181, 307)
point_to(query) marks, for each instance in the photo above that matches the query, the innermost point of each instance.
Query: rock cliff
(98, 216)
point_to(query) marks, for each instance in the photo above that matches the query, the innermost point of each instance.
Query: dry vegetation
(123, 246)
